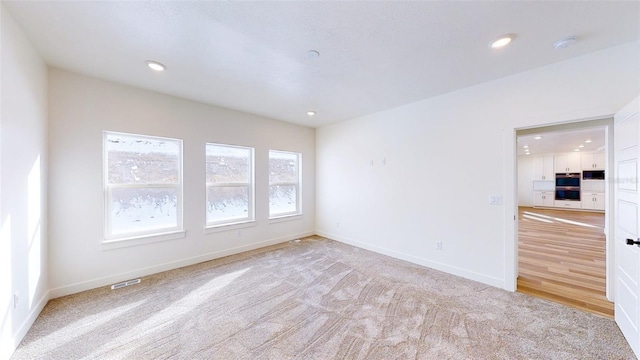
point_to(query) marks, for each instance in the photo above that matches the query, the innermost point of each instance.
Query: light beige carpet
(317, 299)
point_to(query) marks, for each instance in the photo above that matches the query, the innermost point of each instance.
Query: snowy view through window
(229, 192)
(143, 183)
(284, 180)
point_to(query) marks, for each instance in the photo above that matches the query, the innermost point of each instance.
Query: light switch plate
(495, 200)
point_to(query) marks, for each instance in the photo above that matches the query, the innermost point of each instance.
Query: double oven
(568, 186)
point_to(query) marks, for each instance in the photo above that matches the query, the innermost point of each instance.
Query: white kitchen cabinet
(592, 186)
(543, 198)
(543, 168)
(568, 204)
(592, 161)
(567, 163)
(593, 201)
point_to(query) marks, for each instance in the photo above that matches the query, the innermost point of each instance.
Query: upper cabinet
(593, 161)
(543, 168)
(567, 163)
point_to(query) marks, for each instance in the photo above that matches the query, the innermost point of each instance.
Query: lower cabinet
(589, 201)
(593, 201)
(568, 204)
(543, 198)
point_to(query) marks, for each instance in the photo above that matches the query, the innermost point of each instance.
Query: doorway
(562, 245)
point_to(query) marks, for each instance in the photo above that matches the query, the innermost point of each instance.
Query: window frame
(297, 185)
(250, 185)
(161, 233)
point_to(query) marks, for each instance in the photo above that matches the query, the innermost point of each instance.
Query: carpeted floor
(317, 299)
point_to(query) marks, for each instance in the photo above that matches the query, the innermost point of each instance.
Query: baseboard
(13, 342)
(108, 280)
(471, 275)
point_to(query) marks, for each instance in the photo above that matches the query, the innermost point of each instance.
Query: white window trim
(137, 237)
(297, 213)
(283, 218)
(230, 224)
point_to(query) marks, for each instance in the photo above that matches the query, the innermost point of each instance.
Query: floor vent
(295, 241)
(125, 283)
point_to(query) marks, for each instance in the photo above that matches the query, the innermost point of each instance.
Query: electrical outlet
(16, 299)
(439, 245)
(495, 200)
(239, 233)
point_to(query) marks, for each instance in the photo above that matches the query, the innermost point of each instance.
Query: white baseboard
(13, 342)
(108, 280)
(471, 275)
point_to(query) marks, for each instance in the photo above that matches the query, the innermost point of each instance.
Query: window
(284, 183)
(143, 185)
(229, 184)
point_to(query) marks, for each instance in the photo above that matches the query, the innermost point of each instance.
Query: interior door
(627, 218)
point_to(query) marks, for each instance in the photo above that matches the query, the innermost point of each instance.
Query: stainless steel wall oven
(568, 186)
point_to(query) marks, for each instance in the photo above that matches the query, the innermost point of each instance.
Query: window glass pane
(135, 209)
(282, 199)
(227, 203)
(228, 164)
(283, 167)
(142, 160)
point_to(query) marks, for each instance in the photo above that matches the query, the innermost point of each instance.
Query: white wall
(525, 180)
(23, 193)
(81, 108)
(446, 155)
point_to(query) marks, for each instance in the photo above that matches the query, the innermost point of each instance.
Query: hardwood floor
(562, 258)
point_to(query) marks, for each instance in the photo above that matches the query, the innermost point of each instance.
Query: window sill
(142, 240)
(211, 229)
(283, 218)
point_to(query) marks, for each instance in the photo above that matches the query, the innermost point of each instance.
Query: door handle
(632, 242)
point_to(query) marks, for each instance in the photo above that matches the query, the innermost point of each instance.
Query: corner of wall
(23, 195)
(9, 345)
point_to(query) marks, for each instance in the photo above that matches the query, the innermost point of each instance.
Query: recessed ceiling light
(587, 141)
(154, 65)
(565, 42)
(501, 41)
(576, 150)
(538, 137)
(526, 146)
(311, 113)
(313, 54)
(581, 146)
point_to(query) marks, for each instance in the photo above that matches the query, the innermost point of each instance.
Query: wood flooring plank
(562, 258)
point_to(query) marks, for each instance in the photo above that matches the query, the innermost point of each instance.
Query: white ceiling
(556, 142)
(252, 56)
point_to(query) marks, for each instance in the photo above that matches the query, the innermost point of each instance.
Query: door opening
(562, 217)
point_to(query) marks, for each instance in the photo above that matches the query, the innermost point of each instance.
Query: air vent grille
(125, 283)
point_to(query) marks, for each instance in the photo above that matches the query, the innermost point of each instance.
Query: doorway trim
(511, 196)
